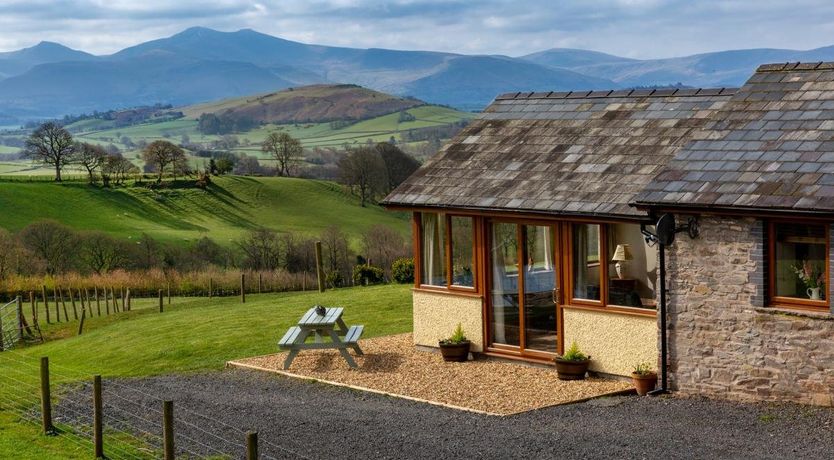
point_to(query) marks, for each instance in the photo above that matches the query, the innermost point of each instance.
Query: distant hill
(17, 62)
(308, 104)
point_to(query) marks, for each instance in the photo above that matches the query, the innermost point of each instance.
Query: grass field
(230, 208)
(192, 335)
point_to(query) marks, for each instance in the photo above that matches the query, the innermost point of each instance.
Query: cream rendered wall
(437, 314)
(616, 342)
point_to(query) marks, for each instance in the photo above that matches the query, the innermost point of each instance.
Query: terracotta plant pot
(644, 383)
(455, 352)
(572, 370)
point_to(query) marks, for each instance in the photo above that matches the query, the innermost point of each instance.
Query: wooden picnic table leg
(342, 347)
(356, 348)
(343, 329)
(294, 349)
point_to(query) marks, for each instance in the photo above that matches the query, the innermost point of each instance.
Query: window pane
(800, 261)
(586, 274)
(539, 284)
(463, 272)
(504, 257)
(633, 284)
(433, 247)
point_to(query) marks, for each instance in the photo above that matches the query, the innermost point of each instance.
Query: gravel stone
(315, 420)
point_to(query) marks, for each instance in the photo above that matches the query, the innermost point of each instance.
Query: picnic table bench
(330, 324)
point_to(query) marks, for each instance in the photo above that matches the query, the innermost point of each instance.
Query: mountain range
(200, 64)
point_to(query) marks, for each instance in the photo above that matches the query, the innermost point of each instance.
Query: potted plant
(813, 277)
(573, 364)
(644, 378)
(456, 347)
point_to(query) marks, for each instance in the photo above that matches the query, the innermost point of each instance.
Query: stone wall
(616, 342)
(723, 339)
(436, 314)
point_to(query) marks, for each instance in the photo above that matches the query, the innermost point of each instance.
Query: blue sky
(633, 28)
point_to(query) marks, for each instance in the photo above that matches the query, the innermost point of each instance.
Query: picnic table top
(313, 319)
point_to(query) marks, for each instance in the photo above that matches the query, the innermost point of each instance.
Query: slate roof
(579, 152)
(770, 147)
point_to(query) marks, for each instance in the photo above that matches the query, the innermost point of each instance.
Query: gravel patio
(303, 419)
(393, 366)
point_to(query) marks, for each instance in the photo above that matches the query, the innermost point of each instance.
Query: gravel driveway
(315, 420)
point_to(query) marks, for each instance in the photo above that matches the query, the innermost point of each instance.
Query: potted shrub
(456, 347)
(644, 378)
(573, 364)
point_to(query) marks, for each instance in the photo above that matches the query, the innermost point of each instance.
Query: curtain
(580, 261)
(499, 281)
(429, 223)
(546, 245)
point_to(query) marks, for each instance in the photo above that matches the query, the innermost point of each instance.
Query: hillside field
(225, 212)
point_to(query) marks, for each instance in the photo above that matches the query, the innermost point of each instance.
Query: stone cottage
(535, 227)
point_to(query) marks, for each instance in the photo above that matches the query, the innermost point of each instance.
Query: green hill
(230, 208)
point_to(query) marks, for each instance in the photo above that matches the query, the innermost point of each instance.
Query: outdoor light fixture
(621, 255)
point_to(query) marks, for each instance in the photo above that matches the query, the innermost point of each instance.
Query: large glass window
(463, 268)
(798, 261)
(433, 245)
(632, 267)
(505, 326)
(586, 264)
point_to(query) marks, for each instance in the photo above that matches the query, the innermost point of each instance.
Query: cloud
(633, 28)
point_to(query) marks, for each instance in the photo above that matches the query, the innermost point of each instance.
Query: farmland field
(231, 207)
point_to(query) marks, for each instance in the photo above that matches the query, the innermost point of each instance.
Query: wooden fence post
(167, 424)
(89, 303)
(60, 293)
(260, 282)
(23, 325)
(97, 417)
(34, 308)
(106, 301)
(160, 300)
(98, 301)
(66, 316)
(127, 296)
(211, 287)
(124, 301)
(81, 323)
(45, 298)
(72, 301)
(243, 288)
(319, 267)
(46, 398)
(252, 445)
(46, 310)
(169, 292)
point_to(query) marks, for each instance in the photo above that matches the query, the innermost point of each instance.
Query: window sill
(821, 314)
(446, 291)
(645, 312)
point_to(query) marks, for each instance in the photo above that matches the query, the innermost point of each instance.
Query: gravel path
(318, 421)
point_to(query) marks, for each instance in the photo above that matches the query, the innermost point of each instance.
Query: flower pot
(455, 352)
(572, 370)
(644, 383)
(813, 293)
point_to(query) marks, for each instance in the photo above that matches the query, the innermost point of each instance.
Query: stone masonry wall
(723, 339)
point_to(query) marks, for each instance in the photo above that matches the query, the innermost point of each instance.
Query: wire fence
(132, 419)
(10, 332)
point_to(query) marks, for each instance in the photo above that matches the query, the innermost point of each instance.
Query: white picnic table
(330, 324)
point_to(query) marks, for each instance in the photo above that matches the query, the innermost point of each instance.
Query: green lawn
(225, 212)
(192, 335)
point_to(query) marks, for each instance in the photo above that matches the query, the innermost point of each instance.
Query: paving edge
(421, 400)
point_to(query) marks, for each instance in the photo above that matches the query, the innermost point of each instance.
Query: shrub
(402, 270)
(367, 275)
(457, 338)
(643, 369)
(335, 279)
(573, 353)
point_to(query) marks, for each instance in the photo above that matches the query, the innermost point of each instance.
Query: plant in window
(573, 364)
(456, 347)
(812, 276)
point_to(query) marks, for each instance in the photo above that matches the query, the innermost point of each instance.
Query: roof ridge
(787, 66)
(640, 92)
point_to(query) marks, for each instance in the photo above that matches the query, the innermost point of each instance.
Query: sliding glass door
(524, 285)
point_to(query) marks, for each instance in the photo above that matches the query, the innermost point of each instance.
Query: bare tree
(398, 164)
(52, 145)
(336, 253)
(91, 157)
(116, 168)
(161, 154)
(363, 170)
(261, 249)
(101, 252)
(285, 149)
(51, 241)
(382, 245)
(12, 255)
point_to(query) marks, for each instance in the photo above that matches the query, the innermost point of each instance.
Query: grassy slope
(228, 210)
(192, 335)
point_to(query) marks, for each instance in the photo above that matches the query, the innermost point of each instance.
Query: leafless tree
(116, 168)
(285, 149)
(52, 241)
(363, 170)
(52, 145)
(13, 256)
(101, 252)
(261, 249)
(398, 164)
(162, 154)
(336, 254)
(91, 157)
(382, 245)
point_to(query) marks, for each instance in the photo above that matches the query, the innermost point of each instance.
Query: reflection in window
(586, 266)
(463, 273)
(433, 255)
(632, 267)
(539, 283)
(799, 261)
(505, 304)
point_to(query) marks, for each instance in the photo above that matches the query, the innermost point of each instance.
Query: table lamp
(621, 255)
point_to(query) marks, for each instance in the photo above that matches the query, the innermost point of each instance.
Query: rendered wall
(616, 342)
(437, 314)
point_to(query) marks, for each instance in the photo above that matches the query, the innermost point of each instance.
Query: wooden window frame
(417, 231)
(776, 301)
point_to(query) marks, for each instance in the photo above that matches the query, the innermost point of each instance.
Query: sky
(632, 28)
